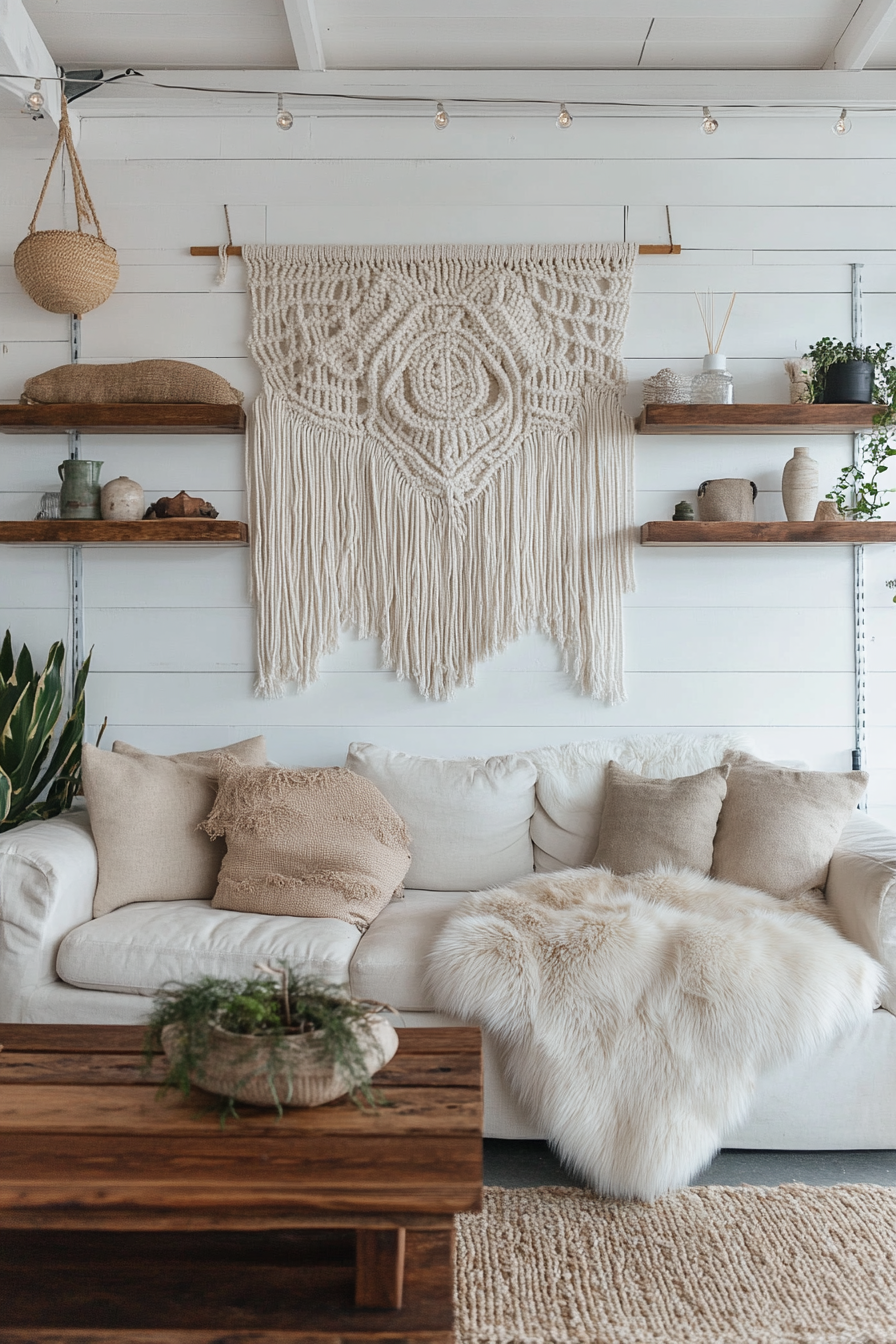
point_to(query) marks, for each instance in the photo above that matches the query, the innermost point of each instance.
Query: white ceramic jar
(121, 501)
(799, 487)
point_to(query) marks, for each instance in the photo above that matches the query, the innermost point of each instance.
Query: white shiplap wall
(756, 639)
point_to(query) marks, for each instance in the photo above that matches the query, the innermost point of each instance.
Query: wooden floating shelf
(843, 532)
(159, 532)
(124, 418)
(757, 418)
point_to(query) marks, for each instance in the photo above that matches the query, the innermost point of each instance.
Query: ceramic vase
(799, 487)
(121, 500)
(80, 494)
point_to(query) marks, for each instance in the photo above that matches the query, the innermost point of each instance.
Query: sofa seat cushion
(390, 961)
(138, 948)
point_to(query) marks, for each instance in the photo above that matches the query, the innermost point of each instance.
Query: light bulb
(710, 125)
(564, 118)
(35, 100)
(441, 118)
(284, 118)
(843, 125)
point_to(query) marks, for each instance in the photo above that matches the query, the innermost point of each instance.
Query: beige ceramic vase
(121, 501)
(799, 487)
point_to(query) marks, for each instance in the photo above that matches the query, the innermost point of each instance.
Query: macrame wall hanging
(439, 456)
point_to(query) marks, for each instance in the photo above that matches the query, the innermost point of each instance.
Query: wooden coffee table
(124, 1218)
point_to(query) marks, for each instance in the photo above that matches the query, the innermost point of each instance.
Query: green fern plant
(32, 787)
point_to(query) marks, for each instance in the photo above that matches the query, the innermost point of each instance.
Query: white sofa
(59, 964)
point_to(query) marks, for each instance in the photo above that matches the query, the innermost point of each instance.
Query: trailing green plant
(278, 1007)
(30, 705)
(857, 490)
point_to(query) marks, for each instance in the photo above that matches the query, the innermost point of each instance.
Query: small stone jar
(121, 501)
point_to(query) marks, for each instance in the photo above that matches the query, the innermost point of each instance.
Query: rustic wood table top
(86, 1146)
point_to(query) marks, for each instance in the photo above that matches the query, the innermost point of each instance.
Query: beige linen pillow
(145, 813)
(144, 380)
(649, 821)
(322, 843)
(778, 828)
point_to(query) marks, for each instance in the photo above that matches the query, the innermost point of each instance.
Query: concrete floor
(516, 1163)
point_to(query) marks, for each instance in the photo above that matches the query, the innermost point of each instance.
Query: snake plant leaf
(46, 704)
(7, 662)
(65, 763)
(5, 796)
(23, 672)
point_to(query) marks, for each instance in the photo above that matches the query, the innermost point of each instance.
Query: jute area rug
(789, 1264)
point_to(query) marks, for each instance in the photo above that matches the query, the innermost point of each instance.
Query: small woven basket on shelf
(62, 270)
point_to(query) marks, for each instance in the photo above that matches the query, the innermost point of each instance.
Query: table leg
(379, 1267)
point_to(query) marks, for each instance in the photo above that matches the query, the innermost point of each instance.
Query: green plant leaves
(30, 706)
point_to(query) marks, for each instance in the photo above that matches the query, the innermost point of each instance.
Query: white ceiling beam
(301, 15)
(499, 92)
(862, 35)
(24, 58)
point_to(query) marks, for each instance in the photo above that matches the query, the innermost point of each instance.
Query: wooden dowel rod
(645, 250)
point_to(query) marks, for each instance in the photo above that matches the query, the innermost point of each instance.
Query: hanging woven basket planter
(62, 270)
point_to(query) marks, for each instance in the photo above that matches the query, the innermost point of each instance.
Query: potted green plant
(30, 706)
(858, 491)
(844, 372)
(276, 1039)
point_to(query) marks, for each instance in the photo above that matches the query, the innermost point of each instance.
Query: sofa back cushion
(468, 820)
(322, 843)
(145, 812)
(778, 827)
(646, 822)
(571, 779)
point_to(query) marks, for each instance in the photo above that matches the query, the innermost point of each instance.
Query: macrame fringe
(340, 537)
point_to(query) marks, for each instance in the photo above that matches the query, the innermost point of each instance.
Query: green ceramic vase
(80, 496)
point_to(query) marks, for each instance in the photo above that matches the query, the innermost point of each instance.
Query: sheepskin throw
(635, 1014)
(439, 456)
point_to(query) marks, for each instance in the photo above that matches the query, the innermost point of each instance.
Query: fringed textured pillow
(322, 843)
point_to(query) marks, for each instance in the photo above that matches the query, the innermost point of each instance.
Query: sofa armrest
(861, 889)
(47, 881)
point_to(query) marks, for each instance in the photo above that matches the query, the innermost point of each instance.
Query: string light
(35, 100)
(710, 125)
(441, 118)
(284, 117)
(843, 125)
(564, 118)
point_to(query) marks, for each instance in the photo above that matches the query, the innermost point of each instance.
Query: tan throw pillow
(646, 822)
(778, 827)
(322, 843)
(145, 380)
(145, 813)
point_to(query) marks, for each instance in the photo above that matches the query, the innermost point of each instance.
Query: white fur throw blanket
(440, 457)
(635, 1014)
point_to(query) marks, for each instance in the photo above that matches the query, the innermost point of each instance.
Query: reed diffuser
(714, 386)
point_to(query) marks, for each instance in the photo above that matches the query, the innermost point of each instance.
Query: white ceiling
(453, 34)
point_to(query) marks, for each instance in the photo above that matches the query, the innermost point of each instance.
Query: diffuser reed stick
(707, 306)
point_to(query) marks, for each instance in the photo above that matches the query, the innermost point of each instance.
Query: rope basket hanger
(62, 270)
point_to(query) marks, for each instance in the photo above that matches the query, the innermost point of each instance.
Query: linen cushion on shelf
(317, 843)
(137, 949)
(778, 827)
(145, 380)
(145, 813)
(646, 822)
(468, 820)
(570, 789)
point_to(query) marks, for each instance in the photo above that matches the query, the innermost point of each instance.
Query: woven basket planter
(238, 1066)
(62, 270)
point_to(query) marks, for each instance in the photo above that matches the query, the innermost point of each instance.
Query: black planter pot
(851, 381)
